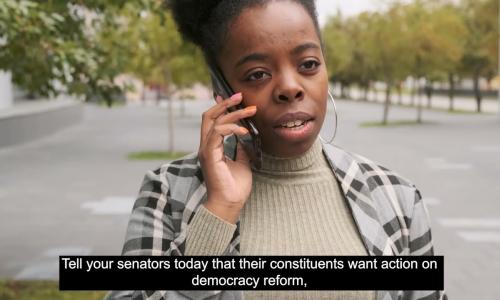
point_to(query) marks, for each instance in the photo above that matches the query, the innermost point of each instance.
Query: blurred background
(94, 93)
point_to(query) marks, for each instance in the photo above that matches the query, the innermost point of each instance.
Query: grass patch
(42, 290)
(156, 155)
(467, 112)
(395, 123)
(114, 103)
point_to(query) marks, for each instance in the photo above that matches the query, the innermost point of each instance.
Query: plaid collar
(354, 183)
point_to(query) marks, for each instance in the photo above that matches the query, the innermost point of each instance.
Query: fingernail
(236, 96)
(251, 108)
(244, 130)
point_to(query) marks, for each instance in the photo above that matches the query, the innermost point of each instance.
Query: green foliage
(423, 38)
(394, 123)
(434, 40)
(437, 35)
(144, 42)
(42, 290)
(481, 47)
(156, 155)
(38, 40)
(79, 47)
(338, 46)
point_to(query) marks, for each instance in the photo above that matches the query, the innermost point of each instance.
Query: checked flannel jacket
(387, 209)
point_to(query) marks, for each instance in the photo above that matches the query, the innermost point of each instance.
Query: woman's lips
(295, 133)
(292, 117)
(294, 126)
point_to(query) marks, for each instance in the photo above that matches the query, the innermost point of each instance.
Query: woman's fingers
(221, 107)
(209, 116)
(218, 132)
(235, 116)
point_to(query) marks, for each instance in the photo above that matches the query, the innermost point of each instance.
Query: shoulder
(378, 175)
(176, 179)
(360, 167)
(160, 210)
(379, 183)
(185, 172)
(169, 173)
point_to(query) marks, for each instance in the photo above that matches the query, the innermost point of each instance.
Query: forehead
(276, 25)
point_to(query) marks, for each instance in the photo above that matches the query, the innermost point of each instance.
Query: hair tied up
(191, 16)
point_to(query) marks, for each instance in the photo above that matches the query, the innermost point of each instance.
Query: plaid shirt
(388, 211)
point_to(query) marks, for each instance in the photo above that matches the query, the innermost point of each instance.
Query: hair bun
(190, 16)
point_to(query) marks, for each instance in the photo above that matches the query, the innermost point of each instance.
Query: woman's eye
(309, 65)
(259, 75)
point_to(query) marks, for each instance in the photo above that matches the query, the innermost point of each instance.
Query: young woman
(308, 197)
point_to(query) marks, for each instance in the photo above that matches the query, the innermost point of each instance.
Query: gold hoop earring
(335, 113)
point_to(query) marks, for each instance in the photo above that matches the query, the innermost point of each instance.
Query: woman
(308, 197)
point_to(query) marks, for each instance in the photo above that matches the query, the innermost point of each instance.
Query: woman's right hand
(228, 182)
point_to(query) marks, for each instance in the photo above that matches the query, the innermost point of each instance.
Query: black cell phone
(251, 142)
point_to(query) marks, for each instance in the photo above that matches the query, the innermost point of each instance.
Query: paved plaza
(71, 192)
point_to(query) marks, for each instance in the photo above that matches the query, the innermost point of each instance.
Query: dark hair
(205, 22)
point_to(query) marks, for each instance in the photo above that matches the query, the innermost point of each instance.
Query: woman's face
(272, 54)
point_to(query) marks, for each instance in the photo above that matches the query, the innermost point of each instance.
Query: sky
(347, 7)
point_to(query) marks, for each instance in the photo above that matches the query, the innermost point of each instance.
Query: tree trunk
(413, 91)
(170, 116)
(170, 113)
(387, 103)
(419, 105)
(143, 93)
(158, 95)
(451, 90)
(428, 93)
(400, 94)
(477, 92)
(342, 90)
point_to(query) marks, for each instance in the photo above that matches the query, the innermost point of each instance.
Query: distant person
(307, 198)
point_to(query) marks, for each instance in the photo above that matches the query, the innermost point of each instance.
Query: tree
(391, 59)
(480, 57)
(450, 36)
(437, 36)
(156, 53)
(361, 69)
(338, 50)
(50, 48)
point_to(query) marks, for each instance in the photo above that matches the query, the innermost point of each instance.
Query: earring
(335, 111)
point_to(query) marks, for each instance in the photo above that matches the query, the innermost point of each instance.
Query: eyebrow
(261, 56)
(303, 47)
(252, 57)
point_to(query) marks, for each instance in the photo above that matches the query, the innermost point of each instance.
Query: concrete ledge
(33, 120)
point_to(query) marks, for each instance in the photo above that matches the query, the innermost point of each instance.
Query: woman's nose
(288, 89)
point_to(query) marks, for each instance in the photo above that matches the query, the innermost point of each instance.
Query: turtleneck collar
(304, 161)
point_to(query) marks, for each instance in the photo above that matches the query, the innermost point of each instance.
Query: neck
(292, 164)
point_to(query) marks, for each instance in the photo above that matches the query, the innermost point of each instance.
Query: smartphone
(251, 142)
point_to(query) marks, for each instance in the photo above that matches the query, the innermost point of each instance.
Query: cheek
(318, 90)
(322, 88)
(259, 97)
(322, 106)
